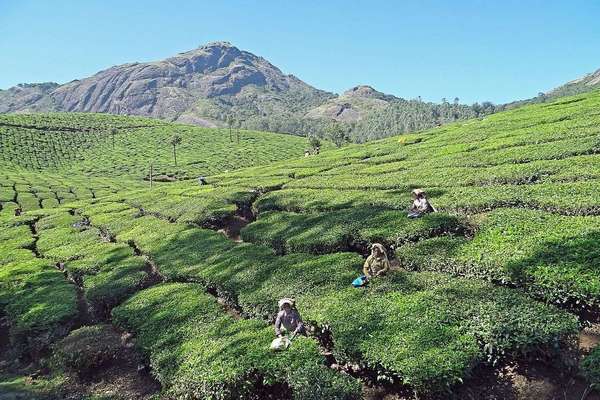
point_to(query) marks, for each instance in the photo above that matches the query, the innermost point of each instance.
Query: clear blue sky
(475, 50)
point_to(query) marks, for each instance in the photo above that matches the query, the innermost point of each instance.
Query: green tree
(337, 134)
(237, 130)
(113, 132)
(230, 126)
(542, 97)
(314, 142)
(175, 141)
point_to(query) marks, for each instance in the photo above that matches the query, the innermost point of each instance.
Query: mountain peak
(362, 91)
(367, 92)
(216, 44)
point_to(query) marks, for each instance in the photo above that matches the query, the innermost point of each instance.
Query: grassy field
(507, 269)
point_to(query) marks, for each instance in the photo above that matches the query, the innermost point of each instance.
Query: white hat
(286, 300)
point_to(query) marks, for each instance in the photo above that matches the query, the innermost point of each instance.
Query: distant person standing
(420, 205)
(202, 181)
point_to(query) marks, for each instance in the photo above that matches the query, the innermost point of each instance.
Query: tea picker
(289, 321)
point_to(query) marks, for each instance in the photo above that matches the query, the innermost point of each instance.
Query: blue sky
(475, 50)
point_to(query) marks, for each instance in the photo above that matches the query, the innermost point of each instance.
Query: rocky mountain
(586, 83)
(197, 86)
(25, 97)
(217, 84)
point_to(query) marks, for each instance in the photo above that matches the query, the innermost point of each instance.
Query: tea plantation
(507, 269)
(101, 145)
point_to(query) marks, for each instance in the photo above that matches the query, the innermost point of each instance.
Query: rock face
(583, 84)
(218, 84)
(28, 98)
(165, 89)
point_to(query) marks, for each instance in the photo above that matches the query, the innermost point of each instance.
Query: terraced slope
(103, 145)
(508, 267)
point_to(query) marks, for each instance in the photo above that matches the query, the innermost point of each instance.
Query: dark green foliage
(590, 368)
(21, 387)
(205, 353)
(455, 334)
(88, 348)
(341, 230)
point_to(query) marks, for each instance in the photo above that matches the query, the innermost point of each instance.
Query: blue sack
(360, 281)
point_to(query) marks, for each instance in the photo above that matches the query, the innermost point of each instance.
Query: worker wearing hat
(288, 318)
(420, 205)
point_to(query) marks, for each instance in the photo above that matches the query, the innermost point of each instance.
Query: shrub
(88, 348)
(205, 353)
(590, 368)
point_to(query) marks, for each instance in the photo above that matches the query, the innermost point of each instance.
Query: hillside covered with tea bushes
(103, 145)
(507, 269)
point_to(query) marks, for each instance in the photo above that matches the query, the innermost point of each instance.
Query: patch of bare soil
(516, 380)
(524, 381)
(122, 381)
(589, 338)
(232, 227)
(4, 342)
(123, 378)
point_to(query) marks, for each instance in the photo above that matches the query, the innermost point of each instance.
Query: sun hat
(286, 300)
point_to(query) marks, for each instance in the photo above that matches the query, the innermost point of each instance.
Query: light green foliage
(553, 256)
(39, 303)
(83, 143)
(108, 272)
(517, 194)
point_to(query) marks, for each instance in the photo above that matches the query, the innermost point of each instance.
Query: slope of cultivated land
(500, 272)
(103, 145)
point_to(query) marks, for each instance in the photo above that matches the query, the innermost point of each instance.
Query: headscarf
(286, 300)
(381, 248)
(418, 192)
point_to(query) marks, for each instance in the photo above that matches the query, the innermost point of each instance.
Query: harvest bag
(281, 343)
(360, 281)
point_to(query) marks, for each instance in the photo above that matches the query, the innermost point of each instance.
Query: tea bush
(205, 353)
(590, 368)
